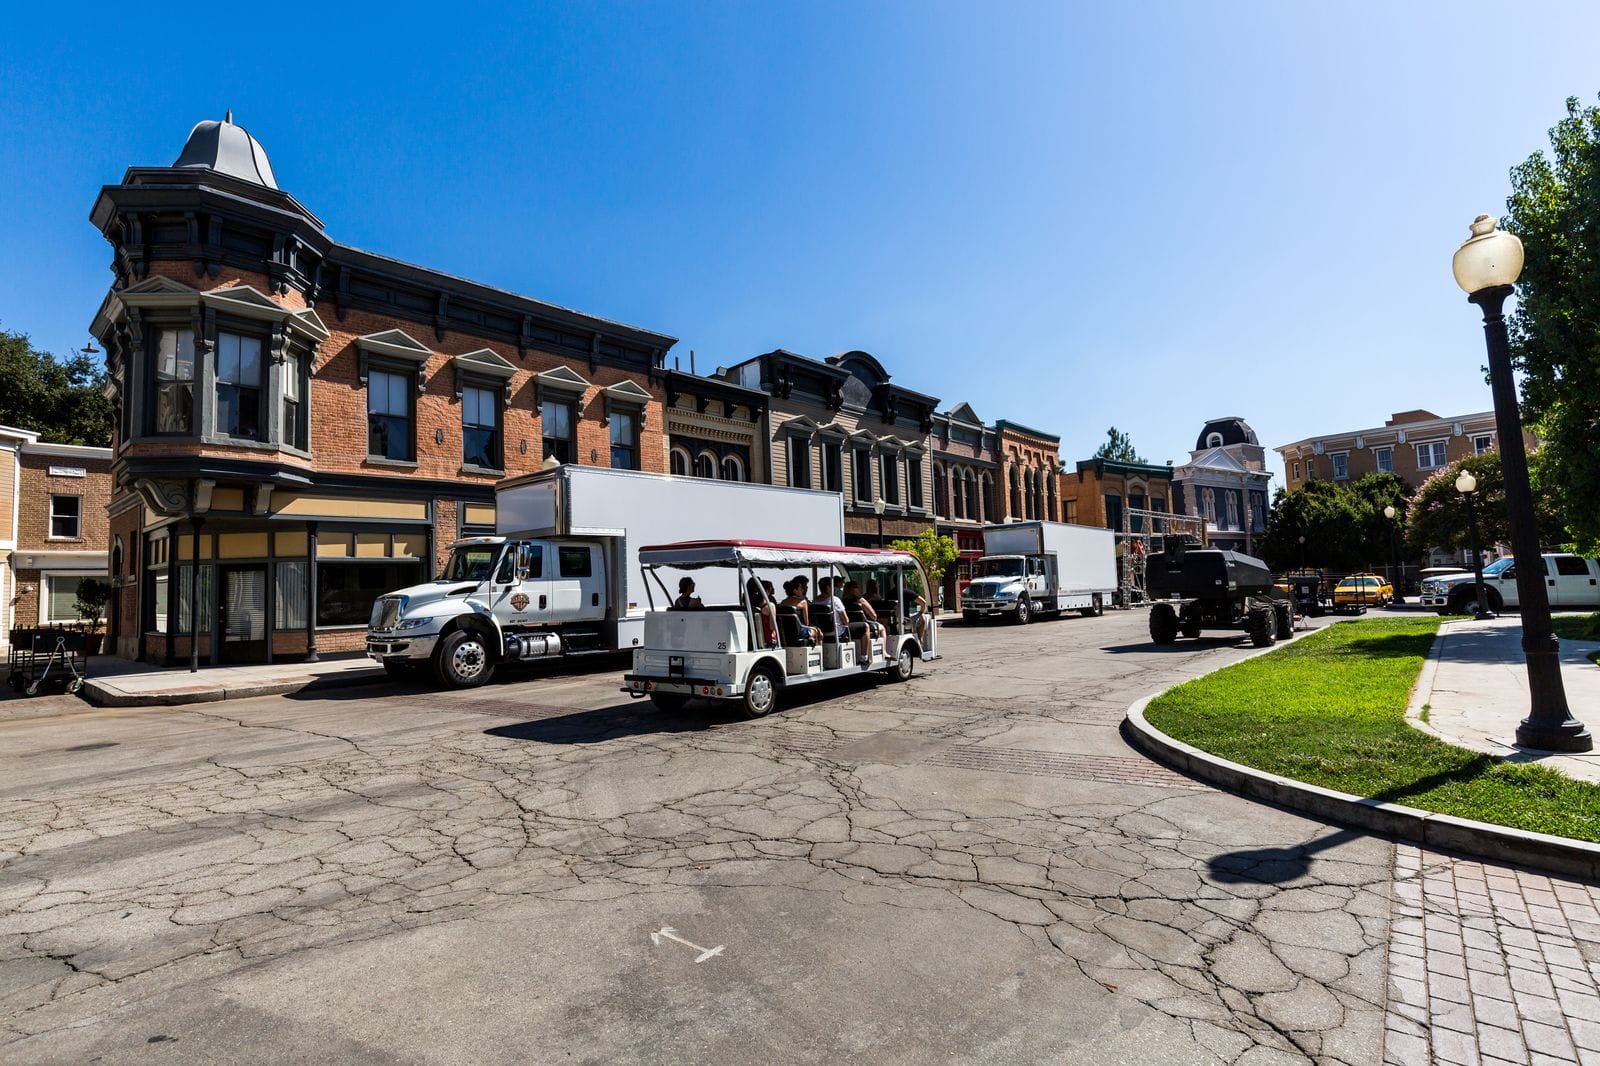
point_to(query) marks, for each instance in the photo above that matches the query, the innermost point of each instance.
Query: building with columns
(966, 468)
(1030, 468)
(1225, 482)
(303, 425)
(840, 424)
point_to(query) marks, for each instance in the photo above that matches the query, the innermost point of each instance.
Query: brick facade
(1030, 467)
(297, 515)
(1415, 445)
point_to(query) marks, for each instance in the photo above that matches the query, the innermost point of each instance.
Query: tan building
(1098, 491)
(53, 528)
(966, 468)
(841, 425)
(715, 428)
(1413, 444)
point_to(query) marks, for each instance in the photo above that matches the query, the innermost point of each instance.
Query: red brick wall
(38, 486)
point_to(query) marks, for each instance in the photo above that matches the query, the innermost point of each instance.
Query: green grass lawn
(1577, 626)
(1329, 709)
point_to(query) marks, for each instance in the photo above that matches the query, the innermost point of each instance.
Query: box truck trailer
(1042, 568)
(561, 575)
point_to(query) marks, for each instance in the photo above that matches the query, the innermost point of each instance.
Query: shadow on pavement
(422, 681)
(1186, 644)
(1274, 866)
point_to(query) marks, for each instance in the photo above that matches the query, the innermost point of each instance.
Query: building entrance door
(242, 614)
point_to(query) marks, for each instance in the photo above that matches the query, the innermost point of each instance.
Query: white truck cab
(1571, 581)
(751, 650)
(562, 577)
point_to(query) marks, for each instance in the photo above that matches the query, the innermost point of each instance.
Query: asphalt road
(970, 867)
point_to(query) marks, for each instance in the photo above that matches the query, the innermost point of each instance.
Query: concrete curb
(102, 693)
(1497, 843)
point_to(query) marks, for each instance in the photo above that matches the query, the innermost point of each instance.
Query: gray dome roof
(227, 149)
(1233, 430)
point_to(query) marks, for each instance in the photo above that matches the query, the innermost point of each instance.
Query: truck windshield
(471, 562)
(999, 567)
(1497, 566)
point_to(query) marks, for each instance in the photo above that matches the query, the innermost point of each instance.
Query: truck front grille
(386, 613)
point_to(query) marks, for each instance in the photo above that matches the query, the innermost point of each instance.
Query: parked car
(1360, 591)
(1571, 581)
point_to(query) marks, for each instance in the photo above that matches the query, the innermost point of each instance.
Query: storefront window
(347, 591)
(290, 593)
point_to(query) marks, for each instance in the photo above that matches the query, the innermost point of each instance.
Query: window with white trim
(66, 517)
(680, 462)
(732, 468)
(861, 460)
(1341, 465)
(1431, 455)
(480, 427)
(1482, 442)
(914, 480)
(891, 478)
(1296, 471)
(705, 465)
(60, 596)
(1384, 458)
(799, 462)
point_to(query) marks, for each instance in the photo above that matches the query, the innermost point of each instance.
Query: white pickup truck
(1042, 568)
(1571, 581)
(561, 576)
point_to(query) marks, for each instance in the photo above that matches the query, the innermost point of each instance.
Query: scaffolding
(1135, 546)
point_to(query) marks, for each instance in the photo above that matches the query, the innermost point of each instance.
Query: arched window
(1016, 493)
(1050, 496)
(705, 465)
(969, 490)
(732, 468)
(1213, 440)
(680, 462)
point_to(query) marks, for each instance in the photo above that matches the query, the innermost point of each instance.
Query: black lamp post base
(1569, 736)
(1484, 616)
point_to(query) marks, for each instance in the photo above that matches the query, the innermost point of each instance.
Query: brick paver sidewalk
(1490, 964)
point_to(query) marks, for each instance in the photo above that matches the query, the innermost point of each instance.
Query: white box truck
(561, 575)
(1034, 568)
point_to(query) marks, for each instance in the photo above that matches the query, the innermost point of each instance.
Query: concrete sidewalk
(121, 683)
(1475, 689)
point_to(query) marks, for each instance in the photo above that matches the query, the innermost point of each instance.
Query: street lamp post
(1394, 554)
(1486, 266)
(877, 506)
(1467, 485)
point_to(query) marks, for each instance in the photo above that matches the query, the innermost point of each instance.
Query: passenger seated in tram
(794, 605)
(687, 600)
(912, 607)
(760, 603)
(859, 611)
(826, 601)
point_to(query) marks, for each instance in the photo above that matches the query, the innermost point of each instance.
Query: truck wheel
(1262, 626)
(1191, 630)
(1492, 598)
(1097, 609)
(462, 660)
(760, 692)
(1163, 623)
(1285, 620)
(1462, 602)
(1024, 612)
(669, 701)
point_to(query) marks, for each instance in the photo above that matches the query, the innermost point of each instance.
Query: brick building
(1098, 490)
(1030, 468)
(841, 425)
(966, 468)
(1413, 444)
(304, 425)
(53, 527)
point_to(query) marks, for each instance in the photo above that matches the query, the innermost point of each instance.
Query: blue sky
(1068, 215)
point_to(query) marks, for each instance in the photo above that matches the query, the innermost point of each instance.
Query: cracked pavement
(970, 866)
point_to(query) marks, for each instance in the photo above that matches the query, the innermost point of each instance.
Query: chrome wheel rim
(905, 662)
(468, 660)
(760, 694)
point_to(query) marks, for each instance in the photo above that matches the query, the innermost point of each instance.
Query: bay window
(174, 382)
(239, 386)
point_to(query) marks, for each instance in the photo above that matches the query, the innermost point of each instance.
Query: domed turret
(227, 149)
(1220, 432)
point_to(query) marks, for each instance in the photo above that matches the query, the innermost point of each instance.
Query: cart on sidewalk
(47, 660)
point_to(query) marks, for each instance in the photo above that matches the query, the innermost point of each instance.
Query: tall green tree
(1118, 448)
(1380, 535)
(1327, 515)
(63, 400)
(1555, 331)
(935, 551)
(1438, 513)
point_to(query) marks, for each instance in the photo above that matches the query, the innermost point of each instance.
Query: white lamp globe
(1388, 512)
(1466, 484)
(1487, 258)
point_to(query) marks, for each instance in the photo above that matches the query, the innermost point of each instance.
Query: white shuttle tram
(729, 652)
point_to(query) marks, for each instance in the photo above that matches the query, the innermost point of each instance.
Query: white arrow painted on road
(669, 933)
